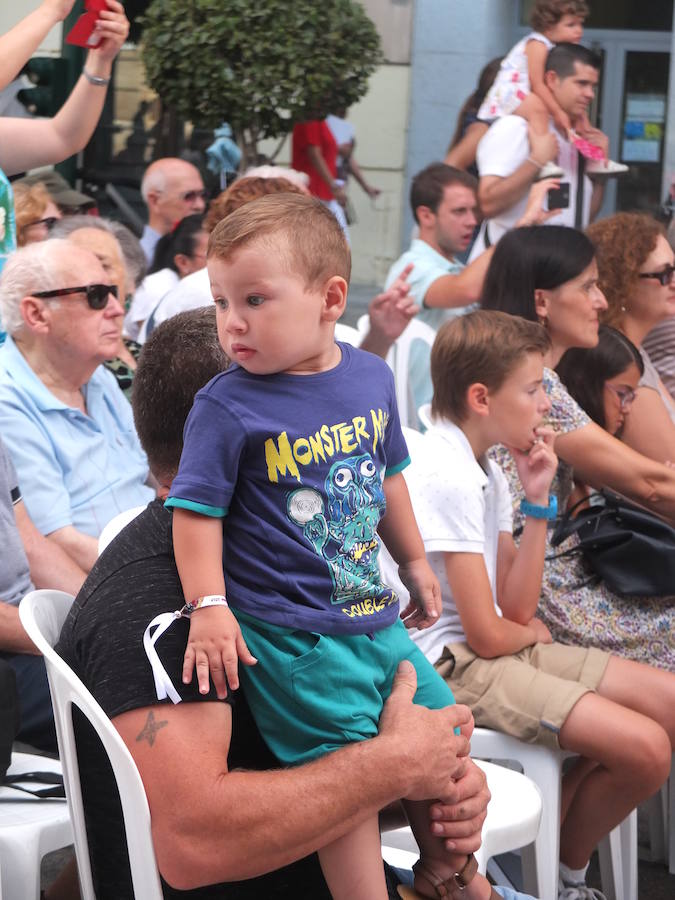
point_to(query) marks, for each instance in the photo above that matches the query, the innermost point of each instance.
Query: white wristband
(207, 600)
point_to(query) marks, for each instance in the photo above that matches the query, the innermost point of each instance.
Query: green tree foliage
(261, 65)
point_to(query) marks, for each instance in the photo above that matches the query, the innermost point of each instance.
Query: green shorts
(311, 693)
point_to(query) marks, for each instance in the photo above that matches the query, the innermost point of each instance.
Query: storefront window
(655, 15)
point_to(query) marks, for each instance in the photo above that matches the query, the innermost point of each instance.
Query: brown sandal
(449, 887)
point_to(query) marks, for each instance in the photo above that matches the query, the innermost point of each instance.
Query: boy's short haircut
(315, 245)
(428, 185)
(547, 13)
(481, 347)
(563, 58)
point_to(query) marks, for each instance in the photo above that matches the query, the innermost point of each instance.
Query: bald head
(172, 189)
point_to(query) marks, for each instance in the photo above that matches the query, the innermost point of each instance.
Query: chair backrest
(347, 334)
(42, 614)
(115, 525)
(415, 330)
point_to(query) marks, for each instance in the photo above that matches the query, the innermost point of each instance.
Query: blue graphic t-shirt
(295, 463)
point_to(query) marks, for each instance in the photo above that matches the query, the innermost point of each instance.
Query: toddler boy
(300, 457)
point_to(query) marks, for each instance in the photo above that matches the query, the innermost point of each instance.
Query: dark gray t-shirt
(14, 571)
(102, 640)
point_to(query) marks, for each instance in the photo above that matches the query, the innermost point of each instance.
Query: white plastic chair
(512, 820)
(115, 525)
(398, 360)
(29, 829)
(42, 614)
(348, 335)
(660, 811)
(618, 851)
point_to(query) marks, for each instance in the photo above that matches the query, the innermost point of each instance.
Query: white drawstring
(163, 684)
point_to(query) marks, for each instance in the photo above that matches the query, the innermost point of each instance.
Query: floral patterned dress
(576, 611)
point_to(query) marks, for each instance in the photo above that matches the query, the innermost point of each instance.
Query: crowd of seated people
(107, 338)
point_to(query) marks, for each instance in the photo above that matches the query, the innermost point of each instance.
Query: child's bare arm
(488, 634)
(536, 53)
(398, 529)
(215, 642)
(520, 570)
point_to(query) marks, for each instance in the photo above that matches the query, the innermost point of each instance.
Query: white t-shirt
(190, 292)
(461, 505)
(147, 296)
(500, 152)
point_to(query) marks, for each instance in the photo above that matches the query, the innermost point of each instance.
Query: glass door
(643, 128)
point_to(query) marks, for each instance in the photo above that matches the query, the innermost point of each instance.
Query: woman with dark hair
(469, 129)
(637, 276)
(604, 380)
(549, 274)
(178, 253)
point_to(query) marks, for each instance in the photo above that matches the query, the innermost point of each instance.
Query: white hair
(28, 269)
(154, 179)
(299, 179)
(131, 251)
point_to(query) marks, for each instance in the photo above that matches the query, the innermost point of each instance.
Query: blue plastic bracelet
(540, 512)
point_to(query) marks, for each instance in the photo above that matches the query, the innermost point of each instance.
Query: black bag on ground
(631, 549)
(9, 715)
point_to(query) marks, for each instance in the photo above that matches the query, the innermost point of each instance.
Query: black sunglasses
(665, 276)
(50, 221)
(97, 294)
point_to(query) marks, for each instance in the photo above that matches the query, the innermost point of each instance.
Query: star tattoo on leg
(150, 729)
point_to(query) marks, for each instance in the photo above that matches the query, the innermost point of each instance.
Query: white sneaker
(579, 891)
(550, 170)
(606, 168)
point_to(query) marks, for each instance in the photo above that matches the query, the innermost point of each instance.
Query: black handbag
(629, 548)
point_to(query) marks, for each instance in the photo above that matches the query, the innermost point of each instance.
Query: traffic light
(49, 75)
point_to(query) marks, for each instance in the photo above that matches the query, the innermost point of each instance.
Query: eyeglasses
(665, 276)
(625, 395)
(49, 222)
(97, 294)
(191, 196)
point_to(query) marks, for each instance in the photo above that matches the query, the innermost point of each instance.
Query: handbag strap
(52, 778)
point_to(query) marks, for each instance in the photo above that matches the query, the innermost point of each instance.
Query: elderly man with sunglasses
(172, 188)
(66, 424)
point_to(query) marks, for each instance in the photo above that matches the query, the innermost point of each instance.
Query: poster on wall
(643, 128)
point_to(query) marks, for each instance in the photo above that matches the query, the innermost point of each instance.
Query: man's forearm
(261, 821)
(13, 638)
(498, 194)
(81, 548)
(212, 825)
(50, 566)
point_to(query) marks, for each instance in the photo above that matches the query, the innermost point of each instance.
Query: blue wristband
(540, 512)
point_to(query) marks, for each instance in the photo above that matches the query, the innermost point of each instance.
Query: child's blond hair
(482, 347)
(312, 242)
(547, 13)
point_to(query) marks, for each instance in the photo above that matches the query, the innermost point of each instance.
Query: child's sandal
(443, 887)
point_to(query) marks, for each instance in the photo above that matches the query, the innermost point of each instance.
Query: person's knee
(651, 753)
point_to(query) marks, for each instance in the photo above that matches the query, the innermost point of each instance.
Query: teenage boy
(487, 371)
(298, 448)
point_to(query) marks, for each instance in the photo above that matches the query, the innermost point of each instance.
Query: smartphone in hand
(559, 198)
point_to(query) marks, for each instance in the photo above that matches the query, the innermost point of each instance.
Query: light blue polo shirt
(73, 469)
(429, 265)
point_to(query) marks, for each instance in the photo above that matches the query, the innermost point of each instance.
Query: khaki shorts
(529, 694)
